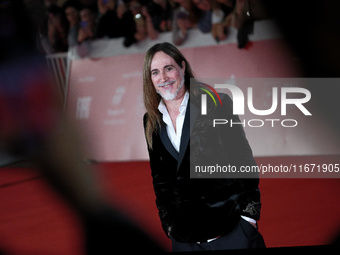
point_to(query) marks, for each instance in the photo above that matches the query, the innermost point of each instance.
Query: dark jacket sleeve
(162, 183)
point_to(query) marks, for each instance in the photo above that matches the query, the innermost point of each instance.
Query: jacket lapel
(167, 143)
(187, 128)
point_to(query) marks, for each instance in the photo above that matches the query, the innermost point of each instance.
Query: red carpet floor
(35, 220)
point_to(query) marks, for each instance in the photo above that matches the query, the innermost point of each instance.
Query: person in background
(158, 16)
(56, 29)
(71, 9)
(221, 10)
(185, 17)
(136, 30)
(205, 21)
(87, 25)
(190, 14)
(243, 17)
(111, 21)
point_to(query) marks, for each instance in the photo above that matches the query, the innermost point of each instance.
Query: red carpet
(34, 220)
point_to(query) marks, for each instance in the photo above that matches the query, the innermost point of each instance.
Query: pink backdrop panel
(105, 99)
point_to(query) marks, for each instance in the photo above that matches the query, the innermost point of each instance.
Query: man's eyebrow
(167, 66)
(154, 70)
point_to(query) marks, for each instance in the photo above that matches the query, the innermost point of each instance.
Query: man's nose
(164, 76)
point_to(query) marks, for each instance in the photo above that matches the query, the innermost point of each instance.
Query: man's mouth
(166, 85)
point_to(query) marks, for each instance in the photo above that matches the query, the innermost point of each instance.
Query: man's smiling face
(167, 76)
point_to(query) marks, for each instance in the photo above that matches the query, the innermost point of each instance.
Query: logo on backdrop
(83, 108)
(239, 104)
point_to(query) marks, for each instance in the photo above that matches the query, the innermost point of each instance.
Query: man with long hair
(197, 214)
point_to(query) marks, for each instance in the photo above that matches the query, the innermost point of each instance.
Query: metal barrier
(58, 65)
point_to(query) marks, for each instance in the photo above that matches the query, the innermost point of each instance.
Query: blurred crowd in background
(66, 23)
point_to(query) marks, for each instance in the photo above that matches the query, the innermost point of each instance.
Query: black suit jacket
(193, 210)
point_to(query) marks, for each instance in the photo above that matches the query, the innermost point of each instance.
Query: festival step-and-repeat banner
(105, 100)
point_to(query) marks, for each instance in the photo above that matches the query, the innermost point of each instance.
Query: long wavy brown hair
(151, 98)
